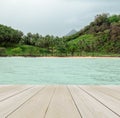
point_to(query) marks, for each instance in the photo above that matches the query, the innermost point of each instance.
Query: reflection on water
(19, 70)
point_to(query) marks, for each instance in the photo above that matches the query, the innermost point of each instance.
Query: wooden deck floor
(27, 101)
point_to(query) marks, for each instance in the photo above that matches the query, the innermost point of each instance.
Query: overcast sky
(55, 17)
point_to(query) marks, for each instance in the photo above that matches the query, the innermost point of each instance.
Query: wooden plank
(10, 91)
(75, 102)
(112, 87)
(88, 106)
(62, 105)
(109, 90)
(5, 88)
(36, 107)
(9, 105)
(108, 101)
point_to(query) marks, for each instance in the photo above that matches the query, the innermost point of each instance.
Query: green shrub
(2, 50)
(16, 50)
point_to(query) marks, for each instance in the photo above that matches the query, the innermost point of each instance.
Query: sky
(54, 17)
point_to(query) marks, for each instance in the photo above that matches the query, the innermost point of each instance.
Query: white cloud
(53, 16)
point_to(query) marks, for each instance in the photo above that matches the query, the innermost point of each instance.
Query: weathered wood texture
(29, 101)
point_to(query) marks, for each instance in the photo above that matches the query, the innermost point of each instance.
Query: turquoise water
(20, 70)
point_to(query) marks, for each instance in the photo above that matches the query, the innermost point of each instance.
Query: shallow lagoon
(88, 71)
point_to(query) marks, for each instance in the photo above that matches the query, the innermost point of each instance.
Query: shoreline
(60, 56)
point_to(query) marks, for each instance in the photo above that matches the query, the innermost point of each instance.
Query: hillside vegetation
(100, 38)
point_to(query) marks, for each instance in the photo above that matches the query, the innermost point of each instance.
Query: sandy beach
(62, 57)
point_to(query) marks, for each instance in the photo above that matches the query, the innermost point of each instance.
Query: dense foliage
(9, 35)
(100, 37)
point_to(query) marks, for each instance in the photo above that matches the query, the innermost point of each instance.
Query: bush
(16, 50)
(2, 50)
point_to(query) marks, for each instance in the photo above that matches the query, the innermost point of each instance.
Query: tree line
(101, 35)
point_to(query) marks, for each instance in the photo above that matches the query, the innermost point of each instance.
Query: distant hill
(101, 35)
(71, 32)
